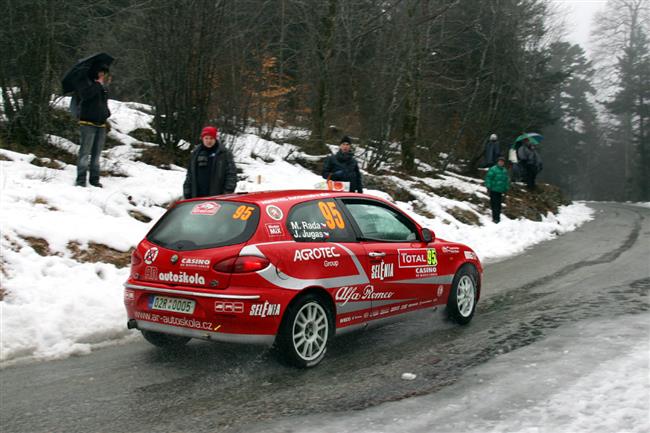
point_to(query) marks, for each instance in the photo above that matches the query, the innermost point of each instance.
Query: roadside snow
(589, 377)
(54, 306)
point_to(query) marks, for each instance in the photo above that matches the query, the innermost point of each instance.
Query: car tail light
(237, 265)
(136, 259)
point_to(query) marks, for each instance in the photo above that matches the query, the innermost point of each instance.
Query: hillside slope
(65, 249)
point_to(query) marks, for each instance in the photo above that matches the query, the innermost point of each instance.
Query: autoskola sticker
(181, 277)
(417, 257)
(151, 255)
(274, 212)
(206, 208)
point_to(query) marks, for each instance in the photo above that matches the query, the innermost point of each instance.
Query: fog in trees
(435, 77)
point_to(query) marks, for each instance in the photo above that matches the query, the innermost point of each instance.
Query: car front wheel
(165, 340)
(305, 332)
(462, 299)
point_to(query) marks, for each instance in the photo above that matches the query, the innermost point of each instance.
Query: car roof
(285, 196)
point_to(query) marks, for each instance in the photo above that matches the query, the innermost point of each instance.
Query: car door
(394, 257)
(324, 252)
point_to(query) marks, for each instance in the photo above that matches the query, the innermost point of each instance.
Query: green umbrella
(533, 137)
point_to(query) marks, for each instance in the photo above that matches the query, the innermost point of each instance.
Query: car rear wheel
(165, 340)
(462, 299)
(305, 332)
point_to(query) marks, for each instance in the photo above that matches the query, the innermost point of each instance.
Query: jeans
(530, 173)
(91, 145)
(496, 199)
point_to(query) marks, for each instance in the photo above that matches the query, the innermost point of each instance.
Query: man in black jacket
(212, 169)
(343, 167)
(93, 113)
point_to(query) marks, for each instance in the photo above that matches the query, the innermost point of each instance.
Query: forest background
(432, 78)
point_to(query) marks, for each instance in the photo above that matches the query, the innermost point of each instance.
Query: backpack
(75, 105)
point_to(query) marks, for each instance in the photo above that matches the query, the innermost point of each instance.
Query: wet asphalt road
(600, 270)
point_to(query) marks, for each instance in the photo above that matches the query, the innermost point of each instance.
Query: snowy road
(564, 310)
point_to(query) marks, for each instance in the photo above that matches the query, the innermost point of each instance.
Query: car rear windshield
(205, 224)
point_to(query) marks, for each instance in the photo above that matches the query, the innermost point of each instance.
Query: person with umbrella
(89, 79)
(529, 158)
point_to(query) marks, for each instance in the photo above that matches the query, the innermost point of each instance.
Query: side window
(377, 222)
(319, 221)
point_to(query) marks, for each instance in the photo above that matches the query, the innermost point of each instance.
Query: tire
(463, 295)
(305, 332)
(165, 341)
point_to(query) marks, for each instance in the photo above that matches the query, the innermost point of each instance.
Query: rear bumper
(266, 340)
(190, 293)
(240, 315)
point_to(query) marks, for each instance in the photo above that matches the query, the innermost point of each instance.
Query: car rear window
(205, 224)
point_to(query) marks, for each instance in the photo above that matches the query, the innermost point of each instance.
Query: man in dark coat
(530, 161)
(93, 113)
(492, 151)
(212, 169)
(343, 167)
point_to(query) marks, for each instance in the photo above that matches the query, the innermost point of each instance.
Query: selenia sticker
(274, 212)
(206, 208)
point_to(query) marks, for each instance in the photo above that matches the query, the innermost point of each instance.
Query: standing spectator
(492, 151)
(343, 167)
(93, 113)
(530, 161)
(497, 184)
(514, 164)
(212, 169)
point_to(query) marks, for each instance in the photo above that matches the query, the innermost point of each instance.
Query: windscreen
(205, 224)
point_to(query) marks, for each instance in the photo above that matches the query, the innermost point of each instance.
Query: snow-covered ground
(55, 306)
(591, 377)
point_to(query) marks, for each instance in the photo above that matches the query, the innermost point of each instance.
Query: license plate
(176, 305)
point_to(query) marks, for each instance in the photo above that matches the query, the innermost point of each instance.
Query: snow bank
(55, 306)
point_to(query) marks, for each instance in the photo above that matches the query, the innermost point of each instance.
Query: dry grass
(465, 216)
(47, 163)
(139, 216)
(39, 245)
(96, 253)
(41, 200)
(162, 158)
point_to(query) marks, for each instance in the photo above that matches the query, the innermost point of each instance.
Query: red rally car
(291, 268)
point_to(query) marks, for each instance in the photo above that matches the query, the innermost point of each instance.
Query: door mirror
(427, 235)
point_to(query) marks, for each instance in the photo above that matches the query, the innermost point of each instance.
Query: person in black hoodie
(93, 113)
(342, 166)
(212, 169)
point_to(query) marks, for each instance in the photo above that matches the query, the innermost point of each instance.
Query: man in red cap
(212, 169)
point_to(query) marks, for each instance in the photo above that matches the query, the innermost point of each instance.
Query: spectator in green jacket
(497, 183)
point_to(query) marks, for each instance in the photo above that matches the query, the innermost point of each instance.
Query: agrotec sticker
(206, 208)
(274, 212)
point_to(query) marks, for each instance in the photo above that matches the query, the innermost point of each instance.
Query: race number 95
(243, 212)
(333, 217)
